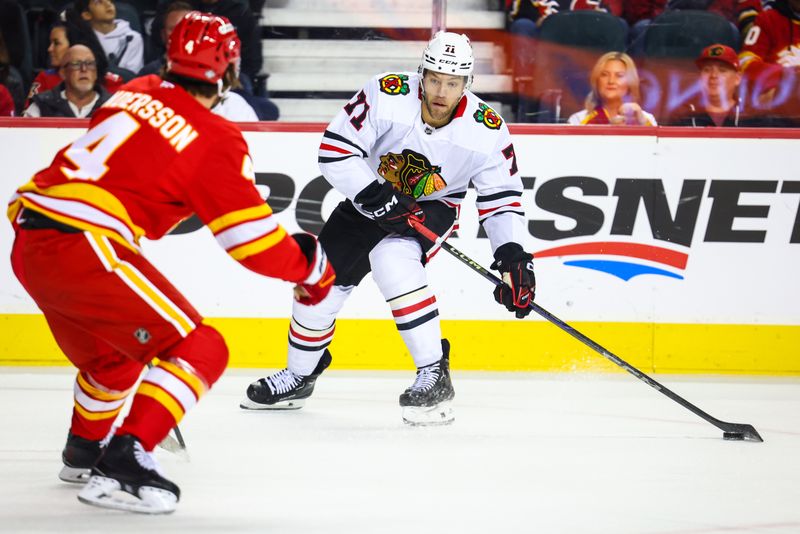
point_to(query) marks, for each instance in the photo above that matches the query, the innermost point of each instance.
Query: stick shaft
(475, 266)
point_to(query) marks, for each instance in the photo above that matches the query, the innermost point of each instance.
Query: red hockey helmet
(202, 46)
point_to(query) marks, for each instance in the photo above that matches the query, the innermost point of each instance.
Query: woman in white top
(614, 98)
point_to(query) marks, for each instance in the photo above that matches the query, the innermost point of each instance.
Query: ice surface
(527, 453)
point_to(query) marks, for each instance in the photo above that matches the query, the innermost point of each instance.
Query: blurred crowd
(66, 59)
(669, 62)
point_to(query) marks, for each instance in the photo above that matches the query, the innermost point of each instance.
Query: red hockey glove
(390, 208)
(519, 287)
(321, 276)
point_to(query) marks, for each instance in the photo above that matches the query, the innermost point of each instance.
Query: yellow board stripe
(675, 348)
(259, 245)
(98, 393)
(96, 416)
(191, 380)
(239, 216)
(127, 271)
(163, 398)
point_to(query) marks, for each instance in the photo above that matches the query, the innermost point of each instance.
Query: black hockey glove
(390, 208)
(519, 287)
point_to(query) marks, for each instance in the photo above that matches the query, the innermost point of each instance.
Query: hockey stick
(731, 431)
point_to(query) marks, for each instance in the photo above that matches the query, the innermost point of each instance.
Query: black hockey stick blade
(731, 431)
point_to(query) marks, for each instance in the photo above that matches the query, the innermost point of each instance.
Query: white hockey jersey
(380, 135)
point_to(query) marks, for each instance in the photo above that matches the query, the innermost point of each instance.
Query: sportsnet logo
(651, 259)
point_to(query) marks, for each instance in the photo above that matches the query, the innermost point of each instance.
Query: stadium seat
(684, 34)
(595, 30)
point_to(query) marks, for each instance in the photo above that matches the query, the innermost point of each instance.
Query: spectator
(614, 98)
(525, 18)
(245, 22)
(536, 11)
(747, 11)
(234, 106)
(771, 50)
(123, 46)
(640, 13)
(7, 108)
(78, 95)
(11, 86)
(719, 79)
(60, 41)
(168, 19)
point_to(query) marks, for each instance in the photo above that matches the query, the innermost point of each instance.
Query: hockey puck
(735, 436)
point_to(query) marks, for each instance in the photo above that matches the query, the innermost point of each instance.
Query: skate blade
(441, 414)
(75, 475)
(172, 445)
(293, 404)
(106, 492)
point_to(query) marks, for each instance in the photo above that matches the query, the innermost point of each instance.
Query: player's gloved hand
(320, 278)
(519, 287)
(390, 208)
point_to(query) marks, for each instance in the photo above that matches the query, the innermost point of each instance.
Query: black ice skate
(284, 390)
(79, 456)
(128, 478)
(428, 400)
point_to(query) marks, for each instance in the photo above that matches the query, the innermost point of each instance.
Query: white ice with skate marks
(527, 453)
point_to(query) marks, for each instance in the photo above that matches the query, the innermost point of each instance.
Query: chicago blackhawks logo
(411, 173)
(394, 84)
(488, 117)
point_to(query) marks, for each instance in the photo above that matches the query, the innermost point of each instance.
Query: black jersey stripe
(323, 159)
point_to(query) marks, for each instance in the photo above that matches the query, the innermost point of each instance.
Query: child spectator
(614, 98)
(123, 46)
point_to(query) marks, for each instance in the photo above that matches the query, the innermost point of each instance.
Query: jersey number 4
(350, 108)
(90, 152)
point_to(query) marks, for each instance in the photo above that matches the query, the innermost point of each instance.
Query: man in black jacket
(78, 95)
(720, 78)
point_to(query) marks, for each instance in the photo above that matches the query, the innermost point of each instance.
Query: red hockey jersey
(152, 157)
(772, 43)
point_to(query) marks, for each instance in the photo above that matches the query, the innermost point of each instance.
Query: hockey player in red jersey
(153, 155)
(407, 147)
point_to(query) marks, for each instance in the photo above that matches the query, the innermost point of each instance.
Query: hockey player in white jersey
(407, 147)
